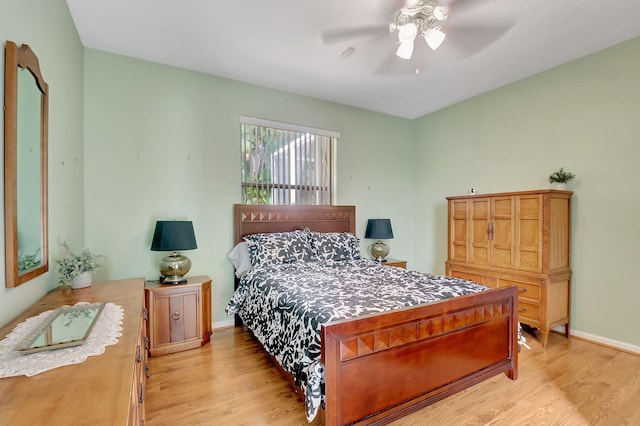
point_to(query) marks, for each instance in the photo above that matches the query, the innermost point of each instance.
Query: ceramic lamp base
(379, 250)
(173, 268)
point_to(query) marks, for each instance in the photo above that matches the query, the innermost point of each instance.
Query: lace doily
(105, 332)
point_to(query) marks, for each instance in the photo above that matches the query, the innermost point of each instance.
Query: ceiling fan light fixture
(434, 38)
(407, 32)
(405, 50)
(439, 13)
(423, 17)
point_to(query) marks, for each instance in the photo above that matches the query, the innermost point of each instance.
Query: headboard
(257, 218)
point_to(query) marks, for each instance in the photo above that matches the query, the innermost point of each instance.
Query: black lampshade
(173, 235)
(379, 229)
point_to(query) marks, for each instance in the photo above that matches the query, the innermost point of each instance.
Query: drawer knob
(524, 290)
(176, 316)
(523, 309)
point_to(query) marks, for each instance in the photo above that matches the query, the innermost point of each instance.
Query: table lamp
(174, 235)
(379, 229)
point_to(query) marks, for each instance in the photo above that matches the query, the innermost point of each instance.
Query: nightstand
(179, 315)
(396, 262)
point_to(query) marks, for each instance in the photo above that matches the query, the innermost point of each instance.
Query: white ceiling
(279, 44)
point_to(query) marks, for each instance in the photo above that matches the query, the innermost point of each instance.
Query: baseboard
(626, 347)
(223, 324)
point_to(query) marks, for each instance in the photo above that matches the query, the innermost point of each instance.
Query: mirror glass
(26, 121)
(28, 174)
(66, 326)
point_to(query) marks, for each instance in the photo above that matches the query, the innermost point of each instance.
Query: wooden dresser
(516, 238)
(108, 389)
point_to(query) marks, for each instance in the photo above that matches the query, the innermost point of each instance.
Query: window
(286, 164)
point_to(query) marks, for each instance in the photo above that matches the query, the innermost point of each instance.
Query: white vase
(559, 185)
(82, 280)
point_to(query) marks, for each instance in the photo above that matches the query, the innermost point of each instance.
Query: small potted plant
(559, 179)
(77, 269)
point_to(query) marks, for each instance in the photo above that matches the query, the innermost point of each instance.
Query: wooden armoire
(516, 238)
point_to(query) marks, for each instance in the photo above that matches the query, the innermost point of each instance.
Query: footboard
(381, 367)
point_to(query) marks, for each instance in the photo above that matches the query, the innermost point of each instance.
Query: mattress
(284, 305)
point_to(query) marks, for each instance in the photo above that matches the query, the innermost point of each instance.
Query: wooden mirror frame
(22, 57)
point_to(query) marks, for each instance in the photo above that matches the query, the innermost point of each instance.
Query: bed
(409, 357)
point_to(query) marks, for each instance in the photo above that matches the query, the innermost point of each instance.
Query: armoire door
(479, 232)
(458, 230)
(501, 233)
(530, 221)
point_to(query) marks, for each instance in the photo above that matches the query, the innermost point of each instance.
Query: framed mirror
(26, 117)
(66, 326)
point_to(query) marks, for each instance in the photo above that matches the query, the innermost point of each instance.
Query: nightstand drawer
(396, 262)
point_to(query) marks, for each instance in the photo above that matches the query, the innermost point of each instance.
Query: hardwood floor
(231, 382)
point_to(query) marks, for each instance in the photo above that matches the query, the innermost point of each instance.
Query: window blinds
(286, 164)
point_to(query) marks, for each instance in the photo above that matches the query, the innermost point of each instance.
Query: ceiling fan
(424, 19)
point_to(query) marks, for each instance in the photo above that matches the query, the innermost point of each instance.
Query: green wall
(163, 143)
(46, 26)
(132, 142)
(584, 116)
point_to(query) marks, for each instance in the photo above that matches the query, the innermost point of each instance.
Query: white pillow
(240, 259)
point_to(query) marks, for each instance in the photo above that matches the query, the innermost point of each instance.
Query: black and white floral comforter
(284, 306)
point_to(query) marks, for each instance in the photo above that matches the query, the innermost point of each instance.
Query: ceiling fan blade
(393, 66)
(338, 35)
(469, 40)
(460, 4)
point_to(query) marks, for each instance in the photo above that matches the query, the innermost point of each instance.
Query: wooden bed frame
(411, 357)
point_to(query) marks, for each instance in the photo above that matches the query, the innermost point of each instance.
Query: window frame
(333, 136)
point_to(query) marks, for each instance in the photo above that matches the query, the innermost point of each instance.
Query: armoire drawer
(476, 278)
(467, 276)
(529, 313)
(525, 290)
